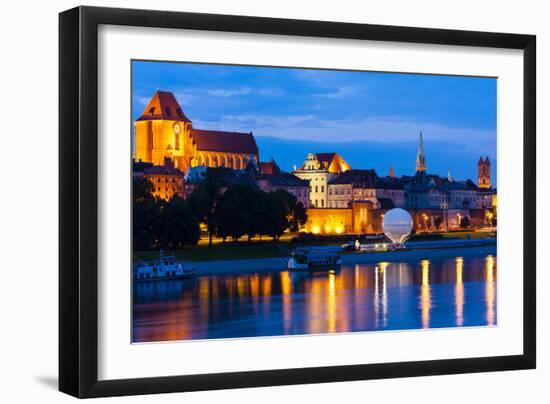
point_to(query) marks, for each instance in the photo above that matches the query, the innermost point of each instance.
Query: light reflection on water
(450, 292)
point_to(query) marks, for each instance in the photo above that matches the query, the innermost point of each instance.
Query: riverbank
(220, 267)
(266, 248)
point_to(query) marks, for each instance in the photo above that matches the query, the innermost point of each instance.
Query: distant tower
(449, 176)
(420, 157)
(484, 173)
(392, 174)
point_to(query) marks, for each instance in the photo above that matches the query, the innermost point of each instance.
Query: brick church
(164, 131)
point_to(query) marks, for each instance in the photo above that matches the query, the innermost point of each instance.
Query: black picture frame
(78, 201)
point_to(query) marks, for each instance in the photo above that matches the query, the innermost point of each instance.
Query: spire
(420, 157)
(392, 174)
(449, 176)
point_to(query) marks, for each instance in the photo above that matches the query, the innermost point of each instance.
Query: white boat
(314, 259)
(165, 268)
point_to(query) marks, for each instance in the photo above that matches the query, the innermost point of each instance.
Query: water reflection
(458, 291)
(490, 289)
(425, 294)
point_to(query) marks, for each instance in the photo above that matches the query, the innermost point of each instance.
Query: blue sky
(372, 119)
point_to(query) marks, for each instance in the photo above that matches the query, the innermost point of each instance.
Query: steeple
(420, 157)
(449, 176)
(392, 174)
(484, 173)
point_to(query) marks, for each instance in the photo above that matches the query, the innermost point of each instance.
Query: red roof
(269, 167)
(163, 105)
(226, 142)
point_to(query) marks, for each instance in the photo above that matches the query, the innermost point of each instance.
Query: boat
(314, 259)
(165, 268)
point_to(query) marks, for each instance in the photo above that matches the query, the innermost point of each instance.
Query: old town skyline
(462, 130)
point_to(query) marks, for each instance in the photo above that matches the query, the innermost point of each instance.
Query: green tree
(232, 215)
(145, 212)
(176, 226)
(205, 197)
(294, 215)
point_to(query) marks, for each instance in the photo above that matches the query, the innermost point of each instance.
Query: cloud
(338, 92)
(229, 92)
(383, 130)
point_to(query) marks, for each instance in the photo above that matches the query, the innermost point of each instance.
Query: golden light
(459, 292)
(490, 290)
(425, 294)
(339, 229)
(315, 229)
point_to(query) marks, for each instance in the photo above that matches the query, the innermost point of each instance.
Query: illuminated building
(166, 179)
(318, 169)
(355, 219)
(163, 130)
(352, 185)
(365, 185)
(484, 173)
(434, 202)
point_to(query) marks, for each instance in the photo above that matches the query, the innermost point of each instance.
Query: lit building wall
(329, 221)
(236, 161)
(165, 186)
(159, 138)
(339, 195)
(318, 186)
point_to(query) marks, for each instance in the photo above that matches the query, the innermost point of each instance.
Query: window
(322, 203)
(151, 110)
(316, 203)
(168, 111)
(322, 188)
(316, 188)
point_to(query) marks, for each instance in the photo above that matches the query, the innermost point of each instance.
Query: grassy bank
(229, 251)
(269, 249)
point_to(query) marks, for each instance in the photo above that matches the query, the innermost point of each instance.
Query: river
(450, 290)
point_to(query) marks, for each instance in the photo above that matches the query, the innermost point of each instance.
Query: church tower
(392, 173)
(484, 173)
(163, 131)
(420, 157)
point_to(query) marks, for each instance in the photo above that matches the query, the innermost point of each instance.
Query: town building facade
(319, 169)
(164, 131)
(269, 178)
(167, 180)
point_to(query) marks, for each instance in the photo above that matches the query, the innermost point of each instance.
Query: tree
(293, 213)
(142, 190)
(205, 197)
(144, 214)
(176, 226)
(232, 215)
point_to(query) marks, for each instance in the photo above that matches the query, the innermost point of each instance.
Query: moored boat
(165, 268)
(307, 259)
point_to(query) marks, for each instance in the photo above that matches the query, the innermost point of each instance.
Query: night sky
(371, 119)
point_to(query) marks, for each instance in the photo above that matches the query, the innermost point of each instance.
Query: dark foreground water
(418, 293)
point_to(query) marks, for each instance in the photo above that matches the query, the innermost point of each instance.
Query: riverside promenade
(413, 251)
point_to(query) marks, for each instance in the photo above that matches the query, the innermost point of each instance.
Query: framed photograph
(251, 201)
